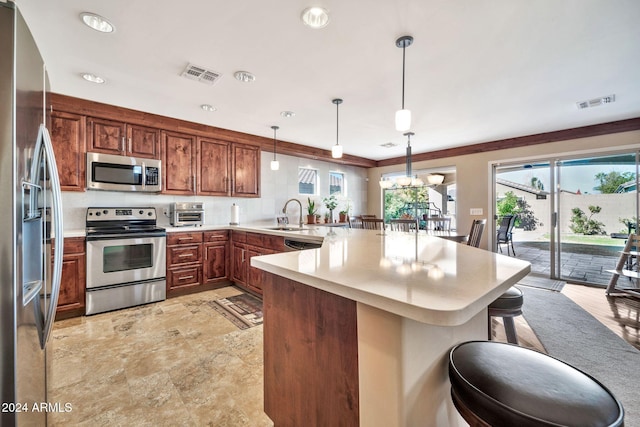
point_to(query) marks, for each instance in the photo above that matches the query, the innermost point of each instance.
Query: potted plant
(327, 217)
(330, 203)
(311, 211)
(344, 214)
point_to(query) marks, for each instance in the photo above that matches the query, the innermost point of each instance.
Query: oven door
(112, 261)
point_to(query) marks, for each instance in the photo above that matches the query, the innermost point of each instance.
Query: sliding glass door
(573, 214)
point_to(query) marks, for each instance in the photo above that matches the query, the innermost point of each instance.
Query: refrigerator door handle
(58, 234)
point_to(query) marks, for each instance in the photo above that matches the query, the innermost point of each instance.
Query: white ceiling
(478, 71)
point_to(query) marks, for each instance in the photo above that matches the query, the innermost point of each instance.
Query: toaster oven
(182, 214)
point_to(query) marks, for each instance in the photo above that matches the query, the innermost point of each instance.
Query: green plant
(583, 224)
(525, 219)
(508, 204)
(345, 211)
(609, 182)
(311, 206)
(330, 202)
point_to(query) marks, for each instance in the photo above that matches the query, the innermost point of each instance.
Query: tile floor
(173, 363)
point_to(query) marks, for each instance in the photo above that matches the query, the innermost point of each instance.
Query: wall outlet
(165, 211)
(475, 211)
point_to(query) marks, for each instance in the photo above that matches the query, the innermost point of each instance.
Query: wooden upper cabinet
(106, 136)
(68, 138)
(179, 163)
(245, 160)
(113, 137)
(213, 167)
(143, 142)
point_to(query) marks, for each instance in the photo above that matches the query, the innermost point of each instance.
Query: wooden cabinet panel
(238, 259)
(213, 167)
(216, 236)
(187, 277)
(184, 254)
(216, 262)
(68, 138)
(183, 238)
(246, 171)
(71, 300)
(106, 136)
(179, 163)
(143, 142)
(273, 243)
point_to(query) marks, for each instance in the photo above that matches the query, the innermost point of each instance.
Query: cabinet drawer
(255, 239)
(180, 277)
(186, 254)
(239, 236)
(183, 238)
(216, 236)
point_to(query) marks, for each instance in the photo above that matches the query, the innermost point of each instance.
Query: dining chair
(403, 224)
(504, 235)
(437, 223)
(367, 216)
(373, 223)
(477, 228)
(355, 222)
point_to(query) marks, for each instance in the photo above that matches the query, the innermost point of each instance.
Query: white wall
(277, 188)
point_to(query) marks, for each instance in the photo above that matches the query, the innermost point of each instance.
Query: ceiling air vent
(201, 74)
(388, 145)
(596, 102)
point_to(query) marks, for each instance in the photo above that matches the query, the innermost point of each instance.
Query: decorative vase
(311, 219)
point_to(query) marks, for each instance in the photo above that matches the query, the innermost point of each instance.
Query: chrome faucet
(284, 210)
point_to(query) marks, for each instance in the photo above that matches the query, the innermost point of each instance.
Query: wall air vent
(201, 74)
(595, 102)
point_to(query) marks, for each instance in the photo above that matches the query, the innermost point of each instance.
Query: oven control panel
(120, 214)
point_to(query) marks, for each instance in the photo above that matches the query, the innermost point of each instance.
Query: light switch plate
(475, 211)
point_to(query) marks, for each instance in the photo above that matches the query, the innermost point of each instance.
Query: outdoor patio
(580, 263)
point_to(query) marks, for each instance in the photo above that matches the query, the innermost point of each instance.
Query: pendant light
(336, 150)
(403, 116)
(408, 178)
(275, 165)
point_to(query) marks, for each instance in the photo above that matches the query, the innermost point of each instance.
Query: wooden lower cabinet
(73, 282)
(247, 245)
(196, 261)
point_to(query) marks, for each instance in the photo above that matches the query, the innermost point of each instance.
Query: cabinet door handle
(185, 255)
(129, 144)
(185, 277)
(194, 184)
(185, 238)
(243, 255)
(123, 144)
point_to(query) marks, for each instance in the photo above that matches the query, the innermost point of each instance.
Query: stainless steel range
(126, 258)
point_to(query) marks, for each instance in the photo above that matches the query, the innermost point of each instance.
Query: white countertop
(425, 278)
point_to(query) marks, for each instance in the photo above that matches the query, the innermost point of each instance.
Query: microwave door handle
(58, 236)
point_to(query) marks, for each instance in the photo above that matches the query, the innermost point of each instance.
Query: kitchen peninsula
(357, 332)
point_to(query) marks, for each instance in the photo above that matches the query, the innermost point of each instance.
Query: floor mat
(244, 310)
(541, 282)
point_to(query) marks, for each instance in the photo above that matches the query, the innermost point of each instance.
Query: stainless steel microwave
(123, 173)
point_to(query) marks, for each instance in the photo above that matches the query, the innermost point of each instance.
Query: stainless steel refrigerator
(31, 240)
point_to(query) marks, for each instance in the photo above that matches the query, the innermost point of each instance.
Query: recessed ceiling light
(287, 114)
(207, 107)
(388, 145)
(97, 22)
(315, 17)
(244, 76)
(596, 102)
(93, 78)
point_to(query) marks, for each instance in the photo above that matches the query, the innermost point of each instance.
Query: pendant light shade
(336, 150)
(403, 116)
(275, 165)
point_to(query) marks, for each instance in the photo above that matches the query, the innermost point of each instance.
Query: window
(336, 184)
(307, 181)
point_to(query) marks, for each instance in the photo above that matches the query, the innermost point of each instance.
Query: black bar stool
(504, 385)
(508, 305)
